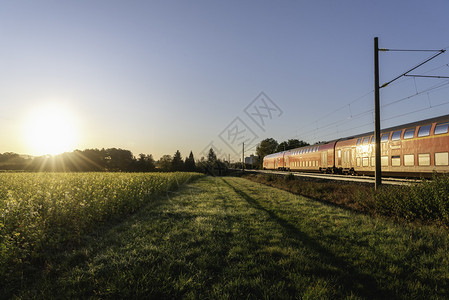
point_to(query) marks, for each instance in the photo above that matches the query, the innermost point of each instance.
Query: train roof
(444, 118)
(398, 127)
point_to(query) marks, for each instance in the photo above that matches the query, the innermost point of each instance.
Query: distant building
(250, 160)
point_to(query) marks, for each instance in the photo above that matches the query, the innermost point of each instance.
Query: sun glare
(51, 129)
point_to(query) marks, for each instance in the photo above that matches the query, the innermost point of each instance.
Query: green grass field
(233, 238)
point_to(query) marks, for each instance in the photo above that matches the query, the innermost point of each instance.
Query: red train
(414, 149)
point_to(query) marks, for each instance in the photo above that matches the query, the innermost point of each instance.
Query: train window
(358, 161)
(359, 141)
(384, 161)
(441, 128)
(396, 161)
(373, 161)
(424, 130)
(385, 137)
(409, 133)
(396, 135)
(409, 160)
(441, 159)
(424, 159)
(365, 162)
(365, 140)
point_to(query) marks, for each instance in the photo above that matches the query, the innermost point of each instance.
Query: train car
(308, 158)
(315, 158)
(274, 161)
(414, 149)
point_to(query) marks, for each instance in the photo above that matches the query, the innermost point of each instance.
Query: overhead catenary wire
(414, 68)
(352, 117)
(370, 111)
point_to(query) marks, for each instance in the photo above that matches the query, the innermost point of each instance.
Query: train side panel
(411, 151)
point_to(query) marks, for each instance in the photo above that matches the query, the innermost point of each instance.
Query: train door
(324, 159)
(353, 150)
(346, 153)
(338, 158)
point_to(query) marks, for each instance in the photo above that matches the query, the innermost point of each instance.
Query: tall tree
(211, 156)
(177, 164)
(190, 163)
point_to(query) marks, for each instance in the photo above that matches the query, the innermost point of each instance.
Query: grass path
(232, 238)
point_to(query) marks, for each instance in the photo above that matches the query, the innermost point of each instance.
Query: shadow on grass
(340, 270)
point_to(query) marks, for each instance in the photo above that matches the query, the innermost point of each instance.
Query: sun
(51, 129)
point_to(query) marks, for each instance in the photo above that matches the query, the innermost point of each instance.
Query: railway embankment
(426, 202)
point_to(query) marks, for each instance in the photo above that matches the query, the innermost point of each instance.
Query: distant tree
(265, 147)
(211, 156)
(291, 144)
(165, 162)
(282, 147)
(13, 161)
(119, 159)
(177, 164)
(90, 160)
(190, 163)
(145, 163)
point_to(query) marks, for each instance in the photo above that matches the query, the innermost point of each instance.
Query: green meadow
(230, 238)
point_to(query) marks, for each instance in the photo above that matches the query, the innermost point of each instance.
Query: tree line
(121, 160)
(89, 160)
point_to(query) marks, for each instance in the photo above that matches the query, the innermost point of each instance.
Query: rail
(335, 177)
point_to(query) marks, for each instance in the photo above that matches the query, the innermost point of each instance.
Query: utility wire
(357, 116)
(354, 117)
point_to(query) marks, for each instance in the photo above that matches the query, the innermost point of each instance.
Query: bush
(427, 201)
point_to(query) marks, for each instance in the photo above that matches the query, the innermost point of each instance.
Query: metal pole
(378, 173)
(243, 157)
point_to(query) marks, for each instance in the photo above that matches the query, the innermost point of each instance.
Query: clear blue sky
(157, 76)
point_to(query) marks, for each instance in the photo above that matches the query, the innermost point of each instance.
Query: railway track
(335, 177)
